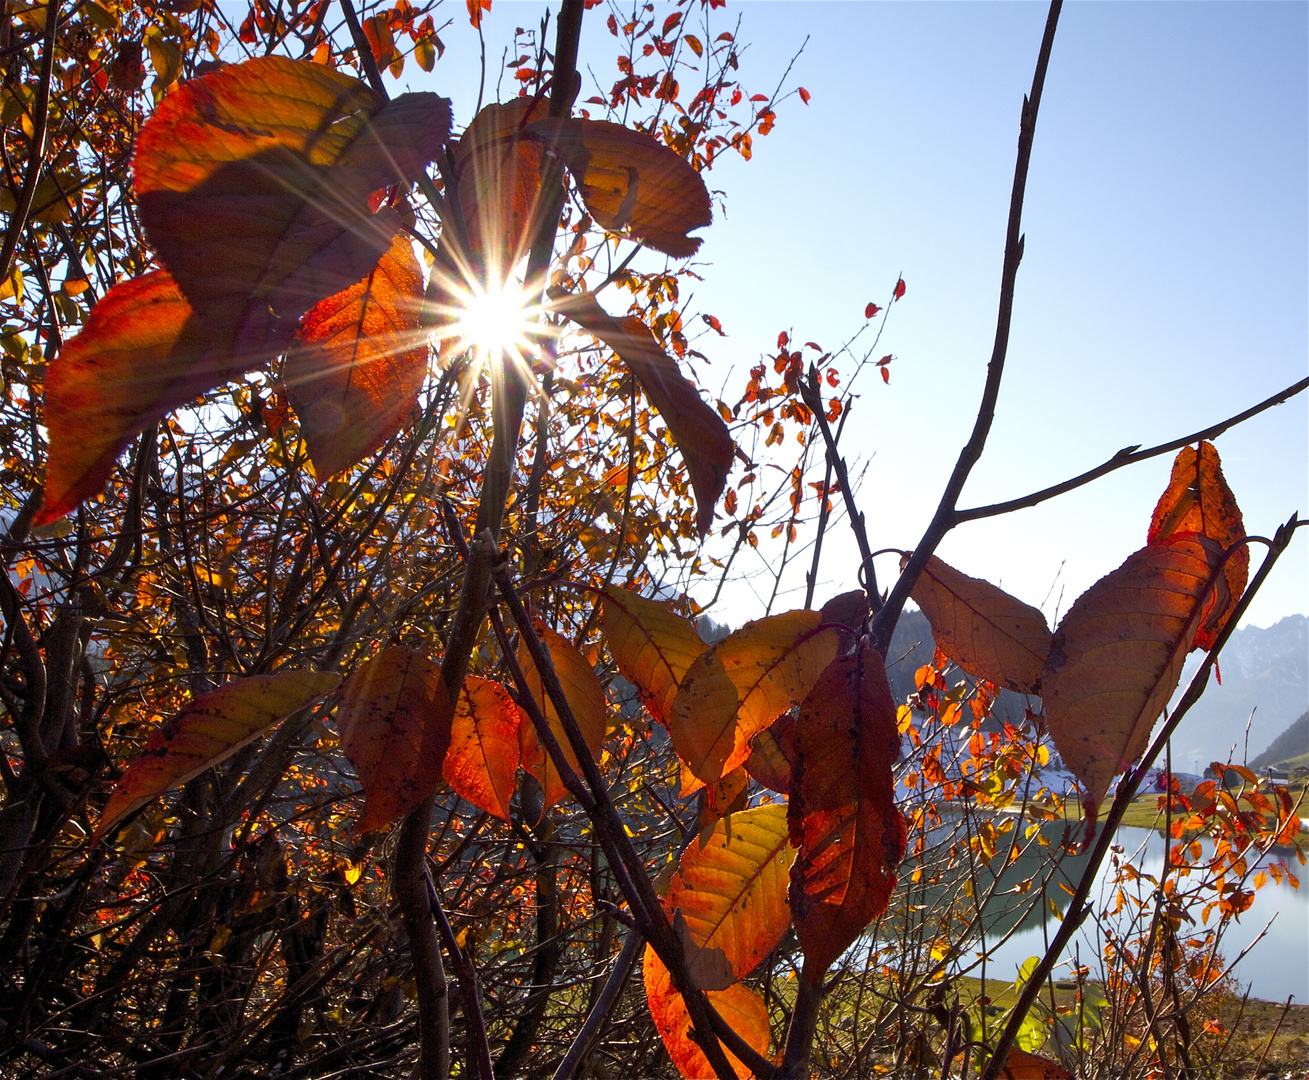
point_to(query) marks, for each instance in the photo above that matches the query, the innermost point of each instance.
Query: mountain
(1292, 745)
(1265, 684)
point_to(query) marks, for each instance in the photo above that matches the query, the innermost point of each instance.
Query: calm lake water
(1276, 966)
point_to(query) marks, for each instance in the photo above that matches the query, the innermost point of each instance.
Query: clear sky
(1164, 284)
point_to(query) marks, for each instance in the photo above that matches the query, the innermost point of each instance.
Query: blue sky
(1164, 284)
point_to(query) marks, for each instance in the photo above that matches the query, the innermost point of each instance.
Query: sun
(496, 322)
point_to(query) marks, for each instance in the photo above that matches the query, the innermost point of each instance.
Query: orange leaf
(1199, 500)
(742, 684)
(212, 728)
(698, 430)
(354, 377)
(253, 185)
(730, 889)
(1117, 657)
(741, 1007)
(652, 645)
(772, 753)
(724, 797)
(140, 355)
(630, 182)
(586, 697)
(842, 812)
(394, 721)
(484, 749)
(987, 632)
(1020, 1065)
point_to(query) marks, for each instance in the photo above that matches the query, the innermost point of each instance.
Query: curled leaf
(1198, 500)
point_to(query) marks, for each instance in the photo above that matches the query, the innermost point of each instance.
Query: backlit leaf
(140, 355)
(630, 182)
(1020, 1065)
(211, 729)
(731, 888)
(700, 434)
(483, 755)
(771, 754)
(842, 810)
(742, 684)
(724, 796)
(740, 1006)
(394, 722)
(1199, 500)
(652, 645)
(355, 373)
(253, 183)
(1117, 656)
(586, 697)
(987, 632)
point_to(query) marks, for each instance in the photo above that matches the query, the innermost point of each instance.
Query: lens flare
(495, 323)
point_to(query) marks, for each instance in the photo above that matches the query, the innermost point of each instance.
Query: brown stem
(1129, 455)
(40, 129)
(804, 1023)
(1078, 907)
(943, 520)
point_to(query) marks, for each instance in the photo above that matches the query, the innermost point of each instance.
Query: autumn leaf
(1198, 500)
(140, 355)
(742, 684)
(652, 645)
(725, 796)
(697, 429)
(731, 889)
(484, 750)
(771, 753)
(280, 156)
(842, 810)
(630, 182)
(359, 362)
(395, 721)
(1117, 657)
(1020, 1065)
(586, 698)
(741, 1007)
(208, 731)
(987, 632)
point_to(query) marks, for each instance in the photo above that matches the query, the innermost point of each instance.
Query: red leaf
(253, 183)
(394, 722)
(783, 339)
(484, 748)
(804, 95)
(1198, 500)
(714, 324)
(886, 375)
(475, 9)
(698, 430)
(870, 310)
(355, 375)
(1118, 653)
(899, 289)
(842, 811)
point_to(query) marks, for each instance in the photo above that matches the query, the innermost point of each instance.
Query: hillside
(1292, 745)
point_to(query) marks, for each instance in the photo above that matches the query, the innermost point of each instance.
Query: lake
(1276, 966)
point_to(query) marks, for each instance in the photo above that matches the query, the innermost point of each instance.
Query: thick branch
(943, 521)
